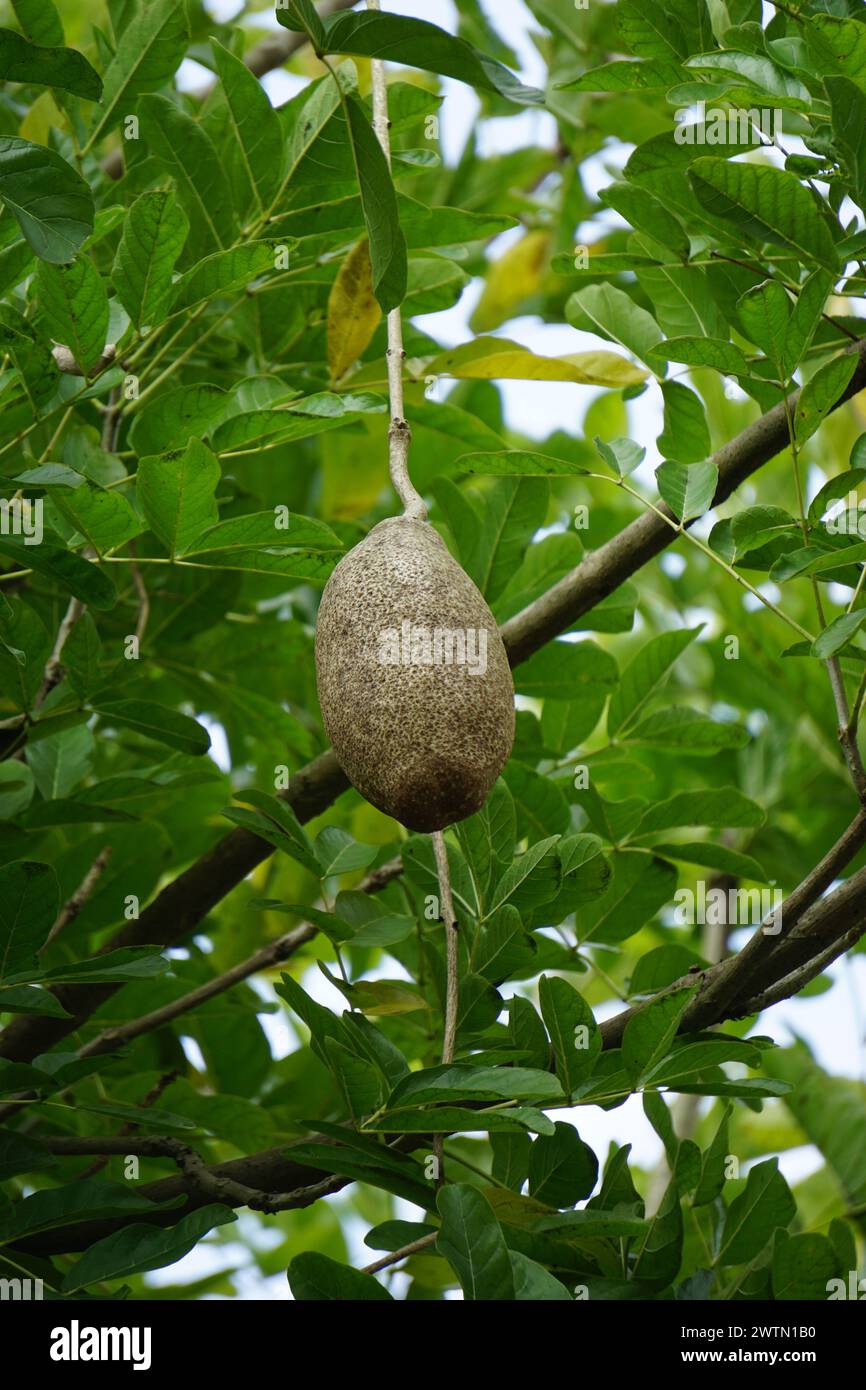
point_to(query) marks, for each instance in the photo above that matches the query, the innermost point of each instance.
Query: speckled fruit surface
(422, 740)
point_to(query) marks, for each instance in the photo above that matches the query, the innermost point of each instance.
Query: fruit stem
(452, 946)
(399, 435)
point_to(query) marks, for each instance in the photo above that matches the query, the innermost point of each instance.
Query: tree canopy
(222, 972)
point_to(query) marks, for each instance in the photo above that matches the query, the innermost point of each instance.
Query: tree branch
(735, 977)
(178, 909)
(275, 953)
(211, 1184)
(272, 1172)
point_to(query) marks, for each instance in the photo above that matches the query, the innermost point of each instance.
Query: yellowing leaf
(498, 359)
(353, 311)
(511, 280)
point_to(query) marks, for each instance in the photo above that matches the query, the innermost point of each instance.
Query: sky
(832, 1023)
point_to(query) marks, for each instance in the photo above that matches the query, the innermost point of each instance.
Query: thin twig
(452, 947)
(53, 667)
(143, 596)
(414, 1248)
(131, 1127)
(399, 433)
(83, 892)
(452, 985)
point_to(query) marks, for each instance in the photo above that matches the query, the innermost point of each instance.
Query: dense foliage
(194, 429)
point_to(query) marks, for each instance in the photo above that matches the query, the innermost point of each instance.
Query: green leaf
(562, 670)
(513, 508)
(643, 677)
(137, 1248)
(276, 822)
(516, 463)
(255, 123)
(487, 838)
(177, 494)
(148, 55)
(364, 1159)
(173, 419)
(662, 967)
(611, 313)
(104, 519)
(681, 297)
(29, 902)
(154, 232)
(302, 17)
(688, 732)
(704, 352)
(803, 1266)
(638, 206)
(472, 1242)
(319, 1279)
(723, 807)
(573, 1031)
(806, 316)
(838, 634)
(768, 204)
(452, 1119)
(623, 456)
(712, 856)
(659, 1255)
(533, 1282)
(81, 656)
(686, 435)
(338, 853)
(462, 1083)
(533, 877)
(640, 886)
(831, 1112)
(90, 1199)
(40, 21)
(821, 393)
(562, 1169)
(264, 530)
(222, 273)
(838, 45)
(126, 963)
(51, 203)
(762, 1208)
(61, 762)
(74, 574)
(764, 313)
(186, 152)
(64, 68)
(688, 489)
(650, 1032)
(714, 1164)
(381, 216)
(418, 44)
(21, 1155)
(157, 722)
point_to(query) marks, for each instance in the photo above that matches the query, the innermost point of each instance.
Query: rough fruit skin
(423, 743)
